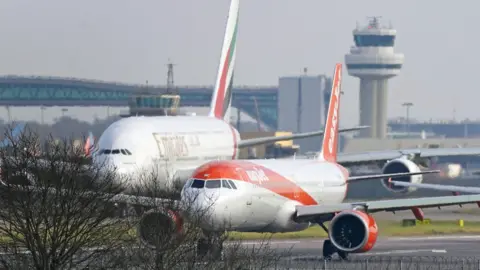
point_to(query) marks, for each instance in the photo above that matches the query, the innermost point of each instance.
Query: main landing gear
(329, 249)
(210, 245)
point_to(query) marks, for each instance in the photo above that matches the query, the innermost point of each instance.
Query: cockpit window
(198, 183)
(123, 151)
(107, 151)
(115, 151)
(225, 184)
(128, 152)
(232, 184)
(213, 184)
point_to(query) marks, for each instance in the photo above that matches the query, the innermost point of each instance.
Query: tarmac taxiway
(451, 246)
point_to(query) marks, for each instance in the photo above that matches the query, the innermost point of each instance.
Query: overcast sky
(131, 41)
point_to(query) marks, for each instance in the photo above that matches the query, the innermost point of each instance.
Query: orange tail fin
(330, 139)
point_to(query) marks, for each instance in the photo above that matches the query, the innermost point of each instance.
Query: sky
(131, 41)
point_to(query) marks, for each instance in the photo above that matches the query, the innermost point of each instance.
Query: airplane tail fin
(89, 144)
(222, 93)
(330, 139)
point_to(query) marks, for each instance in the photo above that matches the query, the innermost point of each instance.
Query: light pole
(64, 110)
(42, 109)
(407, 105)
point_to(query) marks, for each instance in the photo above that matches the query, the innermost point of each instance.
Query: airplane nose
(205, 208)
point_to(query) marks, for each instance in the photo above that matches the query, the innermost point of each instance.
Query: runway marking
(450, 237)
(394, 252)
(268, 242)
(402, 252)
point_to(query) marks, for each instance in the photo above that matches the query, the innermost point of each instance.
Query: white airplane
(171, 147)
(291, 195)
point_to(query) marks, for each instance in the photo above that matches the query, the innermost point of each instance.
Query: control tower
(374, 61)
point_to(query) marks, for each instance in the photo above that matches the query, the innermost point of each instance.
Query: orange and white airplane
(290, 195)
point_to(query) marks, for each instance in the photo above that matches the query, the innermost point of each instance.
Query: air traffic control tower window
(374, 41)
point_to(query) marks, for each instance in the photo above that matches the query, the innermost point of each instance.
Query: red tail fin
(330, 139)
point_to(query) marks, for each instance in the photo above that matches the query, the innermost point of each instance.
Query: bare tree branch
(55, 227)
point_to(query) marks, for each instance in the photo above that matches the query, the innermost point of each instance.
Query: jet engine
(16, 178)
(353, 231)
(401, 165)
(159, 227)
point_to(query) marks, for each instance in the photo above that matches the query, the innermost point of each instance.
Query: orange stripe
(241, 170)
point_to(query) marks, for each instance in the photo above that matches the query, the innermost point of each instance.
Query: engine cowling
(401, 165)
(158, 227)
(353, 231)
(16, 178)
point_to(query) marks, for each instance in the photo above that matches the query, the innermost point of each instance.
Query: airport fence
(384, 262)
(354, 263)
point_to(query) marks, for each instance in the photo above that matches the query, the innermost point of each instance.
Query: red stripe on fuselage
(220, 98)
(242, 170)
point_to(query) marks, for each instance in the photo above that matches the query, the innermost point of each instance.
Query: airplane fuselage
(266, 193)
(166, 148)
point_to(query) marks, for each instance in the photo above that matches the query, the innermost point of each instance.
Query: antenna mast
(170, 80)
(374, 21)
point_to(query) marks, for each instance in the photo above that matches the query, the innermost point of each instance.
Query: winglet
(222, 94)
(330, 139)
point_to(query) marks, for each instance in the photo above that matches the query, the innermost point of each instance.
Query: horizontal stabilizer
(388, 175)
(450, 188)
(265, 140)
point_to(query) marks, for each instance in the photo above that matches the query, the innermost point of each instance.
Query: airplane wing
(348, 159)
(452, 188)
(265, 140)
(310, 211)
(387, 175)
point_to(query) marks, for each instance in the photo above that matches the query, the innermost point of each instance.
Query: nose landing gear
(210, 245)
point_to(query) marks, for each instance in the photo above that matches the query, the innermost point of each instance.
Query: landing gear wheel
(209, 247)
(202, 247)
(342, 254)
(328, 250)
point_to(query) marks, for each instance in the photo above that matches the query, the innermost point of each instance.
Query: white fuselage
(162, 147)
(266, 193)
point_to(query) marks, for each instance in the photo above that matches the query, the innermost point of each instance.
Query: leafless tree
(54, 209)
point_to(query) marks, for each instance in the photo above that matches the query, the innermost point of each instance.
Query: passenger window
(225, 184)
(232, 184)
(115, 151)
(198, 183)
(213, 184)
(123, 152)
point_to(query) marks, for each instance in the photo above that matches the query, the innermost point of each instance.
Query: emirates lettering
(171, 146)
(334, 118)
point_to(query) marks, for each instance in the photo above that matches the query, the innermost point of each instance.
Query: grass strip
(385, 228)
